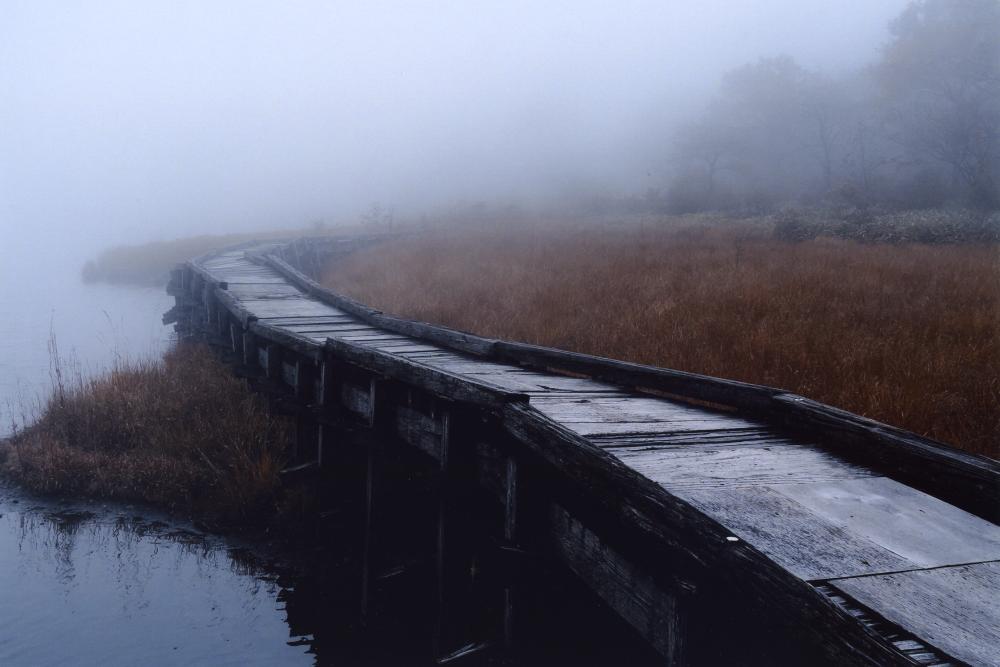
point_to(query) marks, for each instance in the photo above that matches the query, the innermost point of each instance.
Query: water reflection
(89, 585)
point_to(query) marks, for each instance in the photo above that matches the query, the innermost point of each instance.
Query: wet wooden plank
(706, 425)
(372, 336)
(807, 545)
(261, 291)
(242, 278)
(968, 480)
(706, 466)
(919, 527)
(331, 319)
(398, 347)
(471, 366)
(538, 384)
(345, 329)
(762, 437)
(268, 308)
(956, 609)
(633, 409)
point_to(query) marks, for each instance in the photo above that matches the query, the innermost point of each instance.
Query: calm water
(42, 297)
(91, 584)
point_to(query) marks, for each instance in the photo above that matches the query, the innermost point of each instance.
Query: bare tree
(940, 75)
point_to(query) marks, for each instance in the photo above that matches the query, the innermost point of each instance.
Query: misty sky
(136, 120)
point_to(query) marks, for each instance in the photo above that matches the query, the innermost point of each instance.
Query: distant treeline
(917, 128)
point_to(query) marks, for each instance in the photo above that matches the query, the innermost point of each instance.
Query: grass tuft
(181, 433)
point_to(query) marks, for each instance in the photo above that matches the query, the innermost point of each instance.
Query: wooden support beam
(251, 358)
(307, 429)
(371, 472)
(324, 394)
(510, 539)
(273, 363)
(440, 647)
(236, 339)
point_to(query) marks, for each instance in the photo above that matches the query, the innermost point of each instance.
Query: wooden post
(455, 628)
(306, 427)
(206, 297)
(324, 389)
(236, 340)
(274, 363)
(250, 357)
(369, 521)
(440, 541)
(510, 538)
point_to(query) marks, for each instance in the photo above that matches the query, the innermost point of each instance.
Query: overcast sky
(135, 120)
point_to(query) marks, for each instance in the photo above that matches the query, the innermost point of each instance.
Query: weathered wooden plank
(707, 466)
(398, 347)
(707, 425)
(300, 344)
(444, 384)
(355, 399)
(249, 291)
(258, 278)
(924, 530)
(319, 320)
(470, 365)
(697, 544)
(910, 645)
(625, 587)
(420, 430)
(266, 308)
(632, 408)
(972, 482)
(740, 438)
(805, 544)
(372, 336)
(537, 383)
(236, 307)
(334, 330)
(956, 609)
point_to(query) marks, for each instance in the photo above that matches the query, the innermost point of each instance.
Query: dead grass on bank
(149, 264)
(908, 334)
(181, 433)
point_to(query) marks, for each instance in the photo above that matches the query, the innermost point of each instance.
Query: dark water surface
(93, 584)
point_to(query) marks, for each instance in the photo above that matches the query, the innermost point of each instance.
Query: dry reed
(181, 433)
(906, 334)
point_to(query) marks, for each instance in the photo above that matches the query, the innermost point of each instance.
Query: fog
(124, 122)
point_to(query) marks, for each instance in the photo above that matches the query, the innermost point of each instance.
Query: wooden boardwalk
(688, 504)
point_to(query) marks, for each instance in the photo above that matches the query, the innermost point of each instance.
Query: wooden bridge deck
(785, 508)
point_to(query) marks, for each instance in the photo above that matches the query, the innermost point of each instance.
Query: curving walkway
(845, 536)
